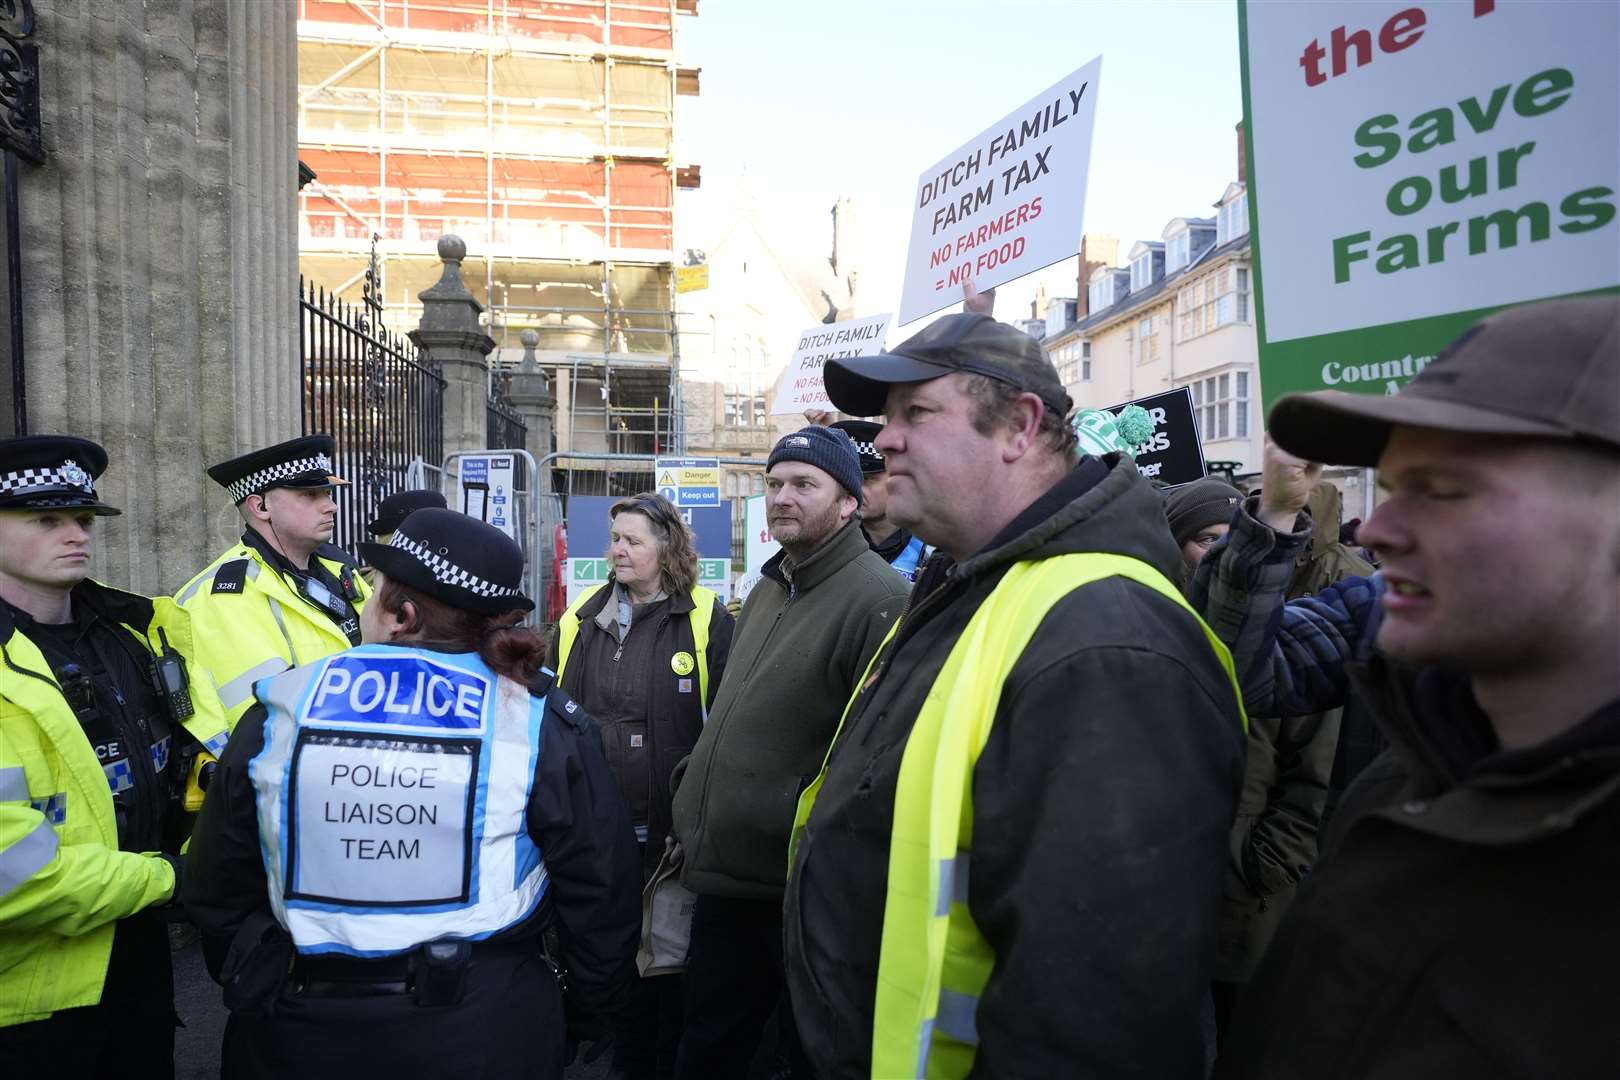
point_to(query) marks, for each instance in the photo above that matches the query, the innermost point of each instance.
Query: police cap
(51, 472)
(305, 462)
(398, 506)
(453, 558)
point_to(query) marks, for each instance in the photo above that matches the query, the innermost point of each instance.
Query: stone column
(160, 259)
(459, 350)
(530, 394)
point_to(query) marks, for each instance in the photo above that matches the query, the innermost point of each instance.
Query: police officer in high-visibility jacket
(392, 830)
(284, 595)
(96, 728)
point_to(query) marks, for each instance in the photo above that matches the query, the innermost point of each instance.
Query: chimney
(1243, 163)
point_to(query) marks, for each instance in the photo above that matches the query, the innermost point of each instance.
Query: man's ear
(1023, 426)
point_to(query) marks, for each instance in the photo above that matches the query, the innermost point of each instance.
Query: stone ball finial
(530, 338)
(452, 248)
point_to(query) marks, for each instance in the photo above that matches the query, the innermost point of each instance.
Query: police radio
(168, 675)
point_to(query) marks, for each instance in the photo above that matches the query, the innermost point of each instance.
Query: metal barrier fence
(370, 390)
(580, 473)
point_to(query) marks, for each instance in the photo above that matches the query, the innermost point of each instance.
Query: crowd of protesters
(1013, 764)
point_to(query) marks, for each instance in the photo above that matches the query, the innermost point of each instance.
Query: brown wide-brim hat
(1548, 370)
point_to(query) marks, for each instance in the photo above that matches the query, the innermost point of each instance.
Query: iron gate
(370, 389)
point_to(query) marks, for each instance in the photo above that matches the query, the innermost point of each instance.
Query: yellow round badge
(681, 663)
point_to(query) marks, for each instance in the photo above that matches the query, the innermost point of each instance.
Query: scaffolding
(541, 132)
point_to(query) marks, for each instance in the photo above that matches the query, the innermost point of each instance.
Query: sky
(802, 102)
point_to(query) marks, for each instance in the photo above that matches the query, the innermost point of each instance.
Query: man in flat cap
(1012, 860)
(1461, 919)
(96, 731)
(284, 594)
(899, 548)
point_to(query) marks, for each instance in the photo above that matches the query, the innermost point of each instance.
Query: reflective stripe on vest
(392, 796)
(703, 601)
(934, 963)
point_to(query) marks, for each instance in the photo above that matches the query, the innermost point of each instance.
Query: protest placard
(1005, 203)
(1174, 453)
(1414, 166)
(800, 386)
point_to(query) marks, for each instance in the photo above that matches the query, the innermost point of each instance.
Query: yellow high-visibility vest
(702, 611)
(933, 963)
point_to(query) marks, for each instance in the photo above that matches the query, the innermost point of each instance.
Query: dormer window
(1232, 220)
(1100, 293)
(1178, 251)
(1142, 271)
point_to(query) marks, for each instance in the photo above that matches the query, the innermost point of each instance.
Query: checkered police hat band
(866, 449)
(68, 475)
(255, 482)
(446, 571)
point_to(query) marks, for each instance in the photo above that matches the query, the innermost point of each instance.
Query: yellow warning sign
(700, 478)
(666, 480)
(692, 278)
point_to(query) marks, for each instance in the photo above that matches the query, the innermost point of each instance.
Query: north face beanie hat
(830, 451)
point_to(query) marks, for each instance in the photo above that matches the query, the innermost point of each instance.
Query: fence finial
(530, 363)
(450, 286)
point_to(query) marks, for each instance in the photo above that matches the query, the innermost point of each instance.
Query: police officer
(397, 507)
(899, 548)
(284, 595)
(394, 509)
(393, 829)
(96, 726)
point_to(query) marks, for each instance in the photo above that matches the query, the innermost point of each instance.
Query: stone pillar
(530, 394)
(160, 259)
(459, 350)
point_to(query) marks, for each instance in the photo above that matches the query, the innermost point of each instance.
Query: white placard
(758, 547)
(1005, 203)
(382, 819)
(800, 386)
(1418, 160)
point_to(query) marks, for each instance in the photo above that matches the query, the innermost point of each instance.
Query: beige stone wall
(160, 259)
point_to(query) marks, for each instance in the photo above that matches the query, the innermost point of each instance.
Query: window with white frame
(1221, 403)
(1142, 272)
(1147, 336)
(1232, 220)
(1178, 251)
(1218, 298)
(1073, 362)
(1101, 293)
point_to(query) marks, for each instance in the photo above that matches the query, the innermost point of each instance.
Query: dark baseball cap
(859, 385)
(1547, 370)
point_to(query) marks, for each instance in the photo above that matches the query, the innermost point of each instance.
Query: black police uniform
(493, 1009)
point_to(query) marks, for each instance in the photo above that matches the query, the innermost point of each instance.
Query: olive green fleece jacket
(803, 639)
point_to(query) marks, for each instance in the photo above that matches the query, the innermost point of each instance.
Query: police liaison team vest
(933, 962)
(392, 791)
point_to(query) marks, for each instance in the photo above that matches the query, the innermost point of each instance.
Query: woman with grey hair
(643, 654)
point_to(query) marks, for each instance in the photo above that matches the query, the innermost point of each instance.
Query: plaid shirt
(1290, 657)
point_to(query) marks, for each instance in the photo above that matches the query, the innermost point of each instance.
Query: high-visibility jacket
(933, 962)
(248, 623)
(63, 881)
(392, 794)
(702, 610)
